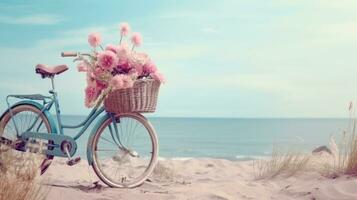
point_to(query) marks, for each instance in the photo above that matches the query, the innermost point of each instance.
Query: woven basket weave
(142, 98)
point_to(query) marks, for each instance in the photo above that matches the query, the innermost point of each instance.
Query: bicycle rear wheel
(25, 116)
(124, 150)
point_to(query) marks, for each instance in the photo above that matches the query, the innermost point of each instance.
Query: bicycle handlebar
(75, 54)
(69, 54)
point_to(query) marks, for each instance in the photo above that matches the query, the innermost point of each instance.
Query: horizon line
(222, 117)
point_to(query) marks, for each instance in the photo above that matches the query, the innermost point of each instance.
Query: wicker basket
(142, 97)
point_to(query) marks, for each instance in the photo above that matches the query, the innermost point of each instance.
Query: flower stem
(121, 37)
(101, 47)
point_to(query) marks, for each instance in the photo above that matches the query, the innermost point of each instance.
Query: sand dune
(211, 179)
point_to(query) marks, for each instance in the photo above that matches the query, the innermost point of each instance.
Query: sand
(195, 179)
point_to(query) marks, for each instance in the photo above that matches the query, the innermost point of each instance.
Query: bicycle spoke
(115, 150)
(134, 133)
(105, 139)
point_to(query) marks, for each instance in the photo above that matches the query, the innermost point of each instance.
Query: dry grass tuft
(18, 181)
(286, 165)
(345, 154)
(349, 161)
(352, 158)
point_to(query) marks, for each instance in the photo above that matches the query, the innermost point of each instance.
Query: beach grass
(280, 164)
(18, 177)
(350, 149)
(345, 153)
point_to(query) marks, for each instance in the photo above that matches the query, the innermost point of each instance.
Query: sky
(249, 59)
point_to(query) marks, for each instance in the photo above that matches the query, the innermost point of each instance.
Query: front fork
(115, 133)
(116, 136)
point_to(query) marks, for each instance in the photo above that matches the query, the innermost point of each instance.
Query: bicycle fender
(40, 107)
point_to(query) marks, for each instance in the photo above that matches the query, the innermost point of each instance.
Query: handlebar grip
(69, 54)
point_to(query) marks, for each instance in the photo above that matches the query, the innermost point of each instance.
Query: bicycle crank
(55, 143)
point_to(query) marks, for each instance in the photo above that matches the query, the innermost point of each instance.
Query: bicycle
(122, 148)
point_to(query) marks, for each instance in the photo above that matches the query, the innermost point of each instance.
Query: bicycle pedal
(19, 145)
(73, 161)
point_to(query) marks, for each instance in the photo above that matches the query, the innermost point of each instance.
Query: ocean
(233, 138)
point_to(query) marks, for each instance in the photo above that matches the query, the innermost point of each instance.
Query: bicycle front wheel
(124, 150)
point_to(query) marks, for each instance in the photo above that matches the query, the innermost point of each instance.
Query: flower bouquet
(125, 79)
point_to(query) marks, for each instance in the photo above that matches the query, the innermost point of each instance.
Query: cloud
(38, 19)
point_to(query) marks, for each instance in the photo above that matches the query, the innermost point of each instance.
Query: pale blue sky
(221, 58)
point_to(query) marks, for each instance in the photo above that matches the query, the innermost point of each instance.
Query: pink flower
(94, 39)
(138, 68)
(136, 39)
(128, 82)
(107, 60)
(91, 93)
(101, 85)
(122, 54)
(102, 75)
(90, 78)
(124, 65)
(124, 29)
(98, 72)
(117, 82)
(133, 74)
(123, 49)
(122, 81)
(112, 47)
(158, 76)
(82, 67)
(137, 60)
(149, 68)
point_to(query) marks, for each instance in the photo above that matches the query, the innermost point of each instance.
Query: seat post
(52, 83)
(57, 106)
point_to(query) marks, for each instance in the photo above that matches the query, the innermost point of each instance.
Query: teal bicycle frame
(58, 136)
